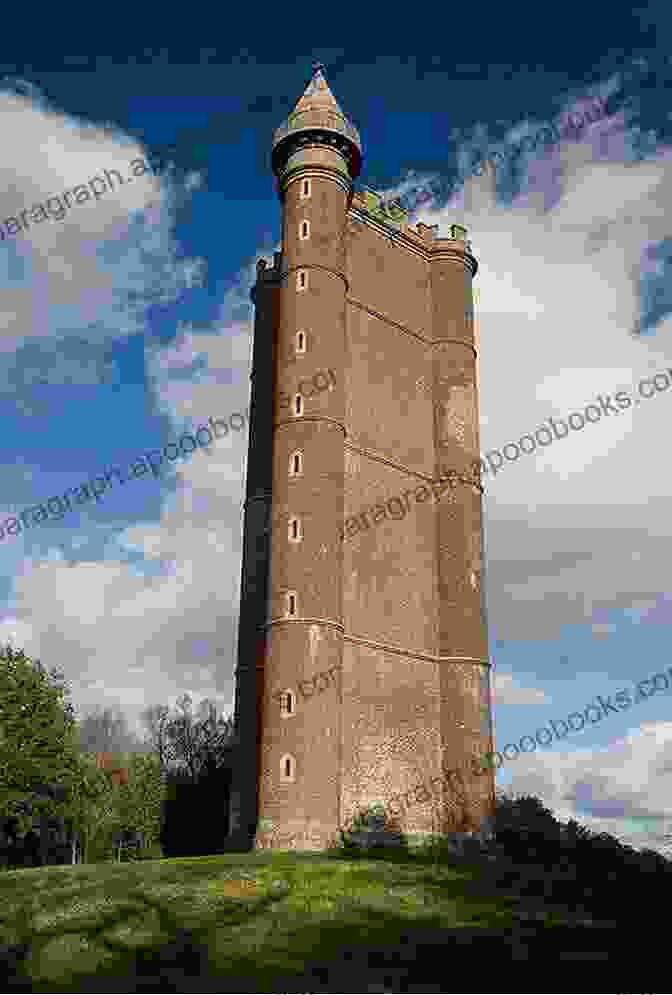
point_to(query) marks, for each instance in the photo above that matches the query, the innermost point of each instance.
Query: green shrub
(370, 819)
(570, 865)
(526, 830)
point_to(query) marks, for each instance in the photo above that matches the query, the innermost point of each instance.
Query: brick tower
(363, 667)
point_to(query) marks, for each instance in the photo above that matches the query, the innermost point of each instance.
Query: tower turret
(317, 122)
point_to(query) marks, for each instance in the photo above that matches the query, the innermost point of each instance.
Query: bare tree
(216, 736)
(155, 718)
(194, 746)
(104, 731)
(199, 745)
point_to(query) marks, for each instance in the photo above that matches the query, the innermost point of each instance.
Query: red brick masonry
(421, 792)
(438, 488)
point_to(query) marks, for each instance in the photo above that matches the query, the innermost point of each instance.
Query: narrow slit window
(295, 533)
(287, 768)
(301, 280)
(296, 464)
(300, 341)
(287, 703)
(291, 603)
(305, 189)
(304, 230)
(298, 404)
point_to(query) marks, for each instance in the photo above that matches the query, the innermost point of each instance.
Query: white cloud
(80, 270)
(623, 790)
(122, 637)
(509, 691)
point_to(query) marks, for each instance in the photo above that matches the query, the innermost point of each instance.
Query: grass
(272, 921)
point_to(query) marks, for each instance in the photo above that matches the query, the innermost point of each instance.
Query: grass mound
(276, 921)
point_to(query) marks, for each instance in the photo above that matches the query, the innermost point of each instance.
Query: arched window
(300, 341)
(301, 279)
(287, 767)
(304, 230)
(295, 530)
(296, 464)
(287, 704)
(290, 603)
(305, 190)
(298, 404)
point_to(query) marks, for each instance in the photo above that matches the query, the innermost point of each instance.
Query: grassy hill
(290, 922)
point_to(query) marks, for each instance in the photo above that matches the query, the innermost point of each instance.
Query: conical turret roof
(317, 108)
(317, 95)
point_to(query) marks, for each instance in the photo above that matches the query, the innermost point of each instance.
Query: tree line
(85, 790)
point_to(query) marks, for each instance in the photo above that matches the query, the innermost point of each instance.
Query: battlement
(269, 271)
(393, 213)
(375, 204)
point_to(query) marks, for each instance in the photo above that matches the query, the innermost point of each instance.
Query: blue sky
(129, 321)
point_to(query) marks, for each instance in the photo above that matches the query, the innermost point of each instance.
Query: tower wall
(409, 706)
(305, 811)
(256, 554)
(462, 627)
(393, 609)
(391, 693)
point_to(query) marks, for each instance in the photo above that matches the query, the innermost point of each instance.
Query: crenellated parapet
(391, 219)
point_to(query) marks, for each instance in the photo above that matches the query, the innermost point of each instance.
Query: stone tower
(363, 667)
